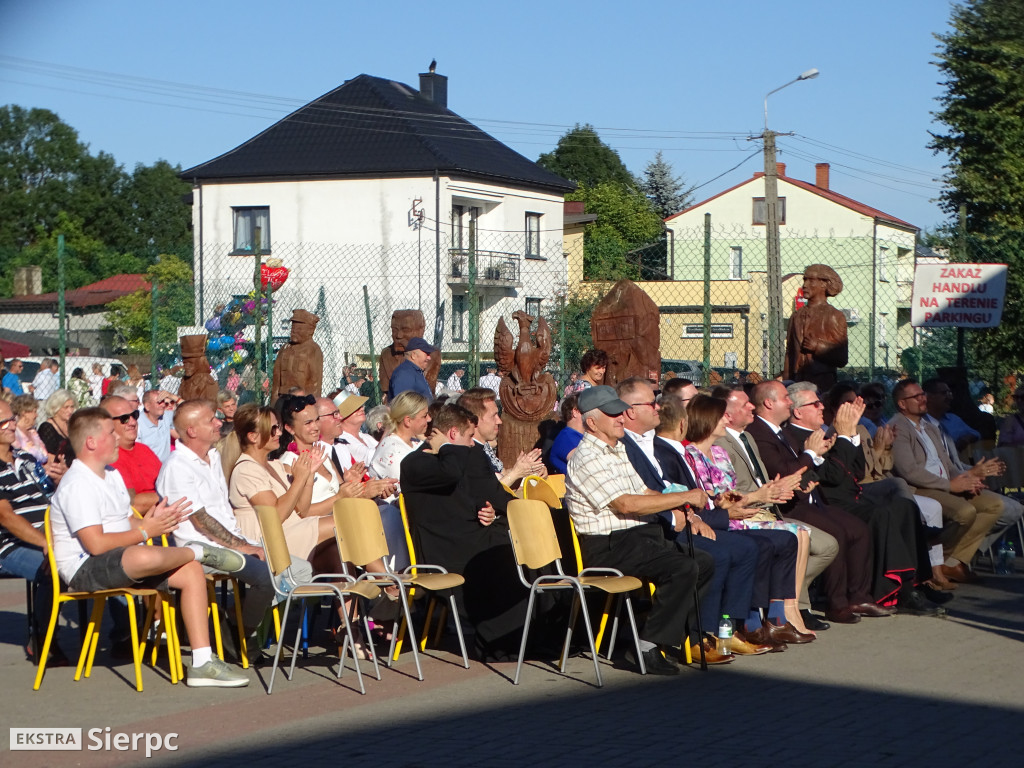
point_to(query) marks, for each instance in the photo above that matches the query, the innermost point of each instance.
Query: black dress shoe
(812, 622)
(937, 596)
(870, 609)
(654, 662)
(914, 603)
(841, 616)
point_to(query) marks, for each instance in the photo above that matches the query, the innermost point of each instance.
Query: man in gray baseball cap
(615, 515)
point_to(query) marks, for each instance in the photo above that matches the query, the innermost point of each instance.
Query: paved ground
(904, 691)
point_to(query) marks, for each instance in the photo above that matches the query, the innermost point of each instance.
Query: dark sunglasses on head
(872, 403)
(300, 403)
(125, 418)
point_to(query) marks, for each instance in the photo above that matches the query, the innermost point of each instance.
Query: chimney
(780, 168)
(434, 87)
(821, 175)
(28, 281)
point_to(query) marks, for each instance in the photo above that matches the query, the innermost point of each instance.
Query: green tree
(663, 188)
(582, 157)
(982, 60)
(569, 319)
(625, 221)
(158, 220)
(131, 317)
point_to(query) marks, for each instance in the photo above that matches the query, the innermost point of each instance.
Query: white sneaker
(215, 674)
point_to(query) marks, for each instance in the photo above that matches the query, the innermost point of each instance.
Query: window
(457, 231)
(533, 307)
(883, 263)
(736, 263)
(759, 214)
(533, 235)
(247, 220)
(459, 317)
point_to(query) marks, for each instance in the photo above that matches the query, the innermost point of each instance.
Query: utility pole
(773, 255)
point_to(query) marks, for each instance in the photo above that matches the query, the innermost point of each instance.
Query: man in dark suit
(751, 474)
(740, 561)
(847, 582)
(893, 521)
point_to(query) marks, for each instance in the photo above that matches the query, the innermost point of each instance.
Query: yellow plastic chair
(91, 638)
(337, 585)
(536, 546)
(557, 483)
(433, 603)
(360, 536)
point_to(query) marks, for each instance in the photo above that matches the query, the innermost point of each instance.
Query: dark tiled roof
(375, 127)
(88, 298)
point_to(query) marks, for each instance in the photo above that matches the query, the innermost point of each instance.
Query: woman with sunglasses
(257, 480)
(407, 426)
(57, 410)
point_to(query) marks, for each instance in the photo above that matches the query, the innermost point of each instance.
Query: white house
(379, 185)
(871, 250)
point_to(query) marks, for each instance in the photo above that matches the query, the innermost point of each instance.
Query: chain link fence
(709, 284)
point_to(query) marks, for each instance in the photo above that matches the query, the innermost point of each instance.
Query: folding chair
(536, 546)
(339, 585)
(360, 535)
(92, 630)
(434, 602)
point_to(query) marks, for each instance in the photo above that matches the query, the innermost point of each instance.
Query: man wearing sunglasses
(138, 465)
(155, 424)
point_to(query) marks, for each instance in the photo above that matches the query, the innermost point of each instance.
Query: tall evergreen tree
(582, 157)
(664, 189)
(982, 59)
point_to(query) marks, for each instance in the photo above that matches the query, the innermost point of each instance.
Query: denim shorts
(106, 572)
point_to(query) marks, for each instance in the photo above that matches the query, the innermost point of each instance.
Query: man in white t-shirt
(96, 542)
(194, 472)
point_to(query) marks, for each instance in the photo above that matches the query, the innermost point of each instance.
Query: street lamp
(771, 224)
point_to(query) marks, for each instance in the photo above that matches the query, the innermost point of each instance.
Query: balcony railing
(492, 267)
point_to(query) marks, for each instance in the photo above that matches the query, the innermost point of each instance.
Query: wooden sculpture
(405, 324)
(301, 362)
(626, 325)
(196, 382)
(816, 343)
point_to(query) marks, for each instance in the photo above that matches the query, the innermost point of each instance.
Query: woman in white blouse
(407, 425)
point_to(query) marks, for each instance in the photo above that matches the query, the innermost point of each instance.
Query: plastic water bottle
(724, 644)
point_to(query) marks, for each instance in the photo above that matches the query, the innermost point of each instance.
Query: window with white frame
(459, 317)
(246, 223)
(736, 262)
(533, 235)
(883, 263)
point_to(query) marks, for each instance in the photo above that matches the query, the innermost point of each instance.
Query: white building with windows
(379, 185)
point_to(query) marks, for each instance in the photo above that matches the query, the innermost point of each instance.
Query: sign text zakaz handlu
(963, 295)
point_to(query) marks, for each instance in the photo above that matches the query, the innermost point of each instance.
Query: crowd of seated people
(758, 503)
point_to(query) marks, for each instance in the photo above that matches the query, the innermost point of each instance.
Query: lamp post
(771, 224)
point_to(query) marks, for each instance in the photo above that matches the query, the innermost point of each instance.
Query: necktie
(752, 458)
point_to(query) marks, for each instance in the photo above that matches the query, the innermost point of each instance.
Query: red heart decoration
(275, 276)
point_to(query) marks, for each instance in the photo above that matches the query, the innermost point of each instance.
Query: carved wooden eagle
(523, 362)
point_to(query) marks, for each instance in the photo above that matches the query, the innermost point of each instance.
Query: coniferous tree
(664, 189)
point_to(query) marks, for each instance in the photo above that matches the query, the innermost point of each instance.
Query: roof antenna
(433, 66)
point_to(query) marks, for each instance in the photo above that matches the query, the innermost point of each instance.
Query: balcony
(497, 269)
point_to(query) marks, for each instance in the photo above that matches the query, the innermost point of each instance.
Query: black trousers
(847, 581)
(644, 552)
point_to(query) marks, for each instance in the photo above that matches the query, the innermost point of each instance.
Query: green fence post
(62, 318)
(707, 294)
(369, 338)
(154, 323)
(257, 319)
(474, 304)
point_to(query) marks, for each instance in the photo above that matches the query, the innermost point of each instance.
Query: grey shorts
(106, 572)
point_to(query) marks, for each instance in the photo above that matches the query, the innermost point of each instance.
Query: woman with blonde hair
(405, 429)
(57, 410)
(25, 409)
(136, 380)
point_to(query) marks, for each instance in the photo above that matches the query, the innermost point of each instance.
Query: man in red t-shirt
(136, 462)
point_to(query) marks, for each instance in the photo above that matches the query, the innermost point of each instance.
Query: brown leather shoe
(870, 609)
(841, 616)
(959, 573)
(787, 633)
(711, 656)
(761, 636)
(741, 646)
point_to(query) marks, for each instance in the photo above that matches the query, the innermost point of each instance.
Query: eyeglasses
(872, 403)
(813, 402)
(125, 418)
(332, 415)
(8, 423)
(916, 396)
(653, 404)
(275, 430)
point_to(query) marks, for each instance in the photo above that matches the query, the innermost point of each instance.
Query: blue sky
(685, 77)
